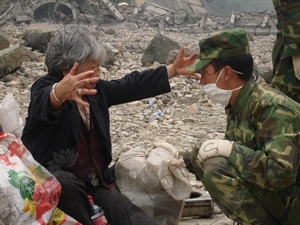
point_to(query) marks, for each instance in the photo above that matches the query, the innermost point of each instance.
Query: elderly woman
(67, 128)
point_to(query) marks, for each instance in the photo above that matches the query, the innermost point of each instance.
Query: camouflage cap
(220, 45)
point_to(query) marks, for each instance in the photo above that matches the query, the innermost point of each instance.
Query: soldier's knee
(214, 169)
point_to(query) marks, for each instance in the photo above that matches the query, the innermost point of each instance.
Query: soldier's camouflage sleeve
(265, 126)
(288, 19)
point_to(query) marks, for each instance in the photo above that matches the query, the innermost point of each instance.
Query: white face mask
(219, 95)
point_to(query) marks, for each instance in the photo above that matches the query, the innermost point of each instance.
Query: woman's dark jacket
(46, 133)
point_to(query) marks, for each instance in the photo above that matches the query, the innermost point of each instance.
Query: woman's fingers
(85, 91)
(74, 69)
(88, 82)
(85, 74)
(81, 80)
(81, 102)
(74, 85)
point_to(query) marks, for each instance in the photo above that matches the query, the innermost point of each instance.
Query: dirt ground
(216, 219)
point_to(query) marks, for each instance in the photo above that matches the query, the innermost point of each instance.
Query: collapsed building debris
(191, 19)
(61, 12)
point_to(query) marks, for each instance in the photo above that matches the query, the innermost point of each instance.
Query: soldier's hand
(213, 148)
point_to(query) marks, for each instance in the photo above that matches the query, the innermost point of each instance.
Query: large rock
(4, 43)
(38, 35)
(266, 73)
(110, 56)
(158, 50)
(11, 58)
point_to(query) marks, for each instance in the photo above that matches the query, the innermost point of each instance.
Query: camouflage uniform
(259, 182)
(286, 45)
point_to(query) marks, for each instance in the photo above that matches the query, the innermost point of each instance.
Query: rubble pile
(191, 18)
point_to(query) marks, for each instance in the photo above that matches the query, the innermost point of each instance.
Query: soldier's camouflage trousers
(244, 202)
(284, 79)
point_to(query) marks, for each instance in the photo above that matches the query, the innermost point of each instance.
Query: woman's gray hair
(72, 44)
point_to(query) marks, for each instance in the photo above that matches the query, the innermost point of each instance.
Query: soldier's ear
(228, 73)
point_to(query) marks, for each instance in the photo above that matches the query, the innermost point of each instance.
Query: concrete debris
(191, 18)
(37, 36)
(112, 9)
(4, 43)
(158, 50)
(12, 58)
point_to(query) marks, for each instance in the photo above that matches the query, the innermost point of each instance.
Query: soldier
(286, 49)
(253, 174)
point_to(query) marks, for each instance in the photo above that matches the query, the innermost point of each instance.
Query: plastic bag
(61, 218)
(154, 180)
(10, 120)
(29, 193)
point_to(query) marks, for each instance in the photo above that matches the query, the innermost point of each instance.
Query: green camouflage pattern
(260, 181)
(287, 44)
(288, 22)
(221, 44)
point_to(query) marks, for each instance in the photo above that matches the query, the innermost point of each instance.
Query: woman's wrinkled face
(90, 65)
